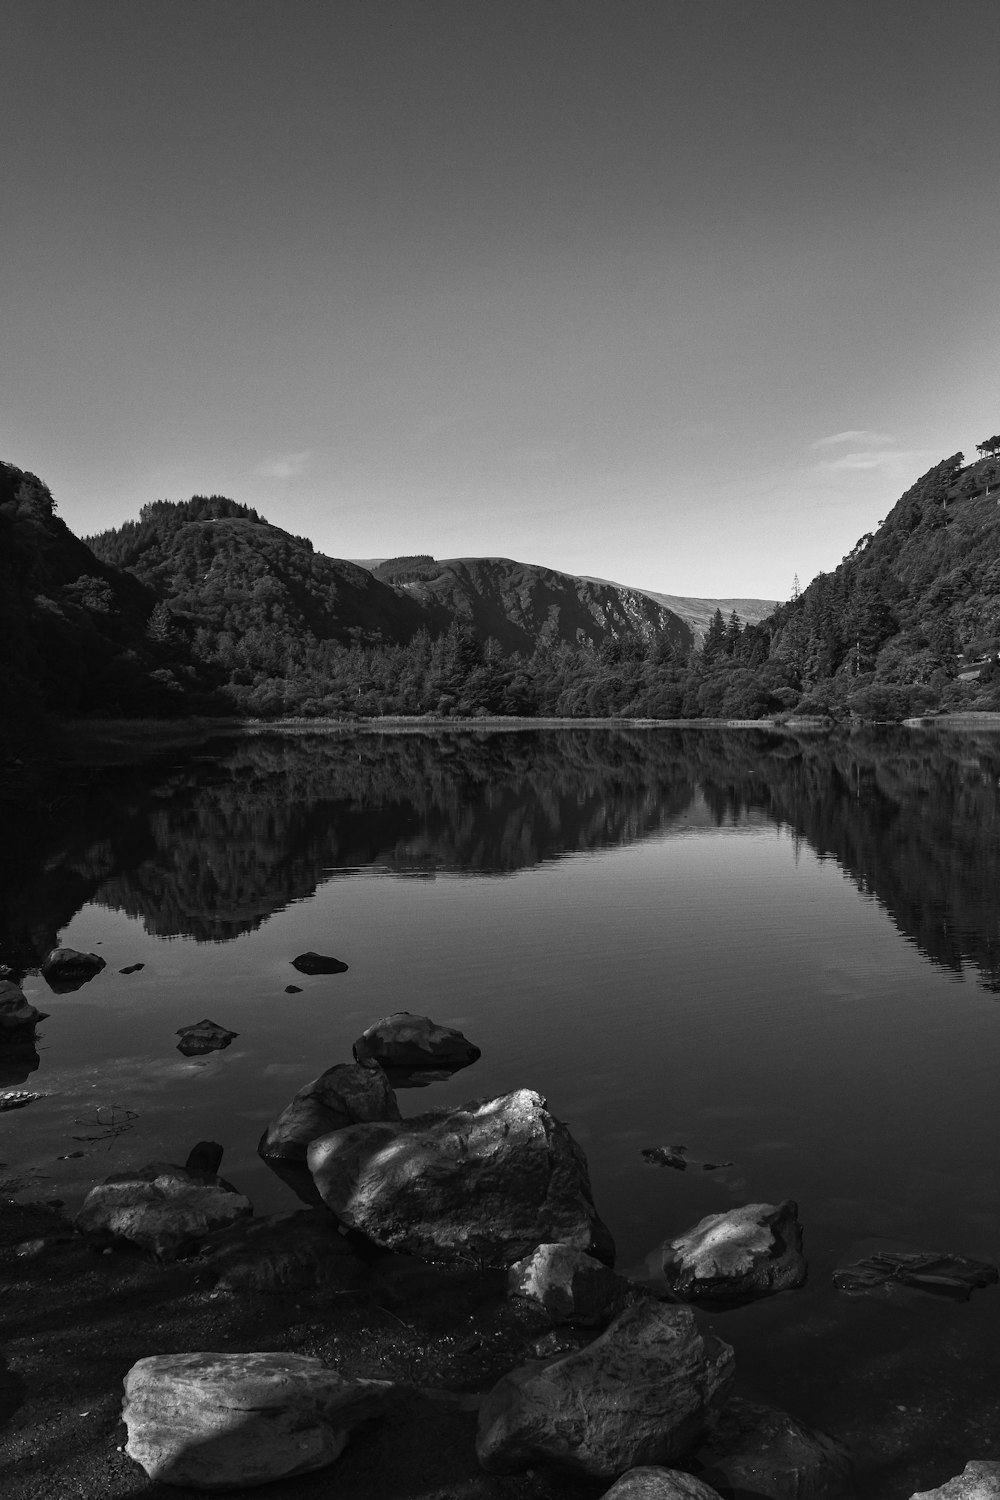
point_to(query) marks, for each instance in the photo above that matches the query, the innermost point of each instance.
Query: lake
(781, 952)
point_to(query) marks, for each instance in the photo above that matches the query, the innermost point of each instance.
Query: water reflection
(209, 846)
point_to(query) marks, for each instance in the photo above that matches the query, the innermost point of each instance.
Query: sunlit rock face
(644, 1392)
(979, 1480)
(484, 1182)
(738, 1256)
(222, 1421)
(163, 1209)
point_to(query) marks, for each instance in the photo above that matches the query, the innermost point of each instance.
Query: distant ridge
(698, 613)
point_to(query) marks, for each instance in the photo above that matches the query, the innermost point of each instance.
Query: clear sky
(682, 293)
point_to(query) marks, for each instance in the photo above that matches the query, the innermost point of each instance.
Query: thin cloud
(284, 465)
(857, 436)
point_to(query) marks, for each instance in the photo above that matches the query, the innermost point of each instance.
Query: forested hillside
(203, 606)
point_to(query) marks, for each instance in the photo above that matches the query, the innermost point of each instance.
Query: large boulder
(653, 1483)
(644, 1392)
(414, 1050)
(224, 1421)
(484, 1182)
(164, 1209)
(18, 1019)
(979, 1480)
(737, 1256)
(346, 1094)
(67, 969)
(768, 1453)
(571, 1286)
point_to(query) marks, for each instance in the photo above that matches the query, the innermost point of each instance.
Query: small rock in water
(293, 989)
(205, 1036)
(131, 968)
(676, 1156)
(17, 1098)
(955, 1276)
(738, 1256)
(414, 1050)
(979, 1480)
(67, 969)
(318, 963)
(206, 1156)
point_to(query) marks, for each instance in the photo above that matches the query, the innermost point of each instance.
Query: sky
(679, 293)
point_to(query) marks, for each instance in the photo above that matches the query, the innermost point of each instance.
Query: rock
(571, 1286)
(979, 1480)
(414, 1050)
(766, 1452)
(346, 1094)
(67, 969)
(17, 1098)
(317, 963)
(131, 968)
(652, 1483)
(484, 1182)
(165, 1209)
(222, 1421)
(677, 1157)
(644, 1392)
(285, 1253)
(737, 1256)
(955, 1276)
(18, 1019)
(205, 1156)
(204, 1036)
(293, 989)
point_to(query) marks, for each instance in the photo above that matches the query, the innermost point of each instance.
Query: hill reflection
(208, 846)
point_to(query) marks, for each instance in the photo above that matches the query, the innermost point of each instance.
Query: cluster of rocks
(629, 1388)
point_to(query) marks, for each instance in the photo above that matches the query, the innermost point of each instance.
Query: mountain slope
(522, 604)
(698, 614)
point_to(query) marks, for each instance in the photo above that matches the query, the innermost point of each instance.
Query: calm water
(779, 952)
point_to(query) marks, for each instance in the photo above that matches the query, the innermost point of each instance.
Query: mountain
(518, 604)
(698, 614)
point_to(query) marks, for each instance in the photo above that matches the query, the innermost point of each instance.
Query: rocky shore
(441, 1319)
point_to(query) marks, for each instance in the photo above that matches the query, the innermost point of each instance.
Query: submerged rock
(222, 1421)
(738, 1256)
(955, 1276)
(317, 963)
(131, 968)
(571, 1286)
(204, 1036)
(652, 1483)
(979, 1480)
(66, 969)
(164, 1209)
(644, 1392)
(485, 1182)
(17, 1098)
(677, 1157)
(346, 1094)
(414, 1050)
(763, 1451)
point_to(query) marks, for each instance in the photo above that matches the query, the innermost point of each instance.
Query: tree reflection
(208, 846)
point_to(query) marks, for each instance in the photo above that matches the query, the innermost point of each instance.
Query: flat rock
(644, 1392)
(652, 1483)
(17, 1098)
(164, 1209)
(204, 1036)
(414, 1050)
(346, 1094)
(736, 1257)
(571, 1286)
(318, 963)
(285, 1253)
(483, 1182)
(66, 969)
(18, 1018)
(955, 1276)
(979, 1480)
(766, 1452)
(222, 1421)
